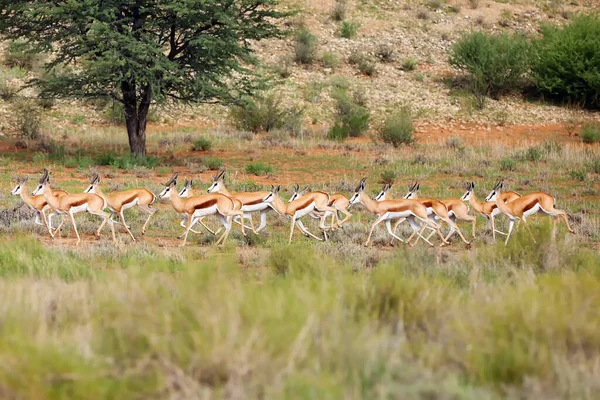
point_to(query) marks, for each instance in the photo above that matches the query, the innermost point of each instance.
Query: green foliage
(340, 10)
(495, 64)
(388, 176)
(145, 53)
(330, 60)
(26, 119)
(20, 54)
(8, 90)
(578, 175)
(348, 30)
(202, 144)
(305, 47)
(352, 118)
(212, 164)
(508, 164)
(409, 64)
(367, 66)
(398, 128)
(262, 113)
(566, 66)
(127, 161)
(590, 132)
(259, 168)
(534, 154)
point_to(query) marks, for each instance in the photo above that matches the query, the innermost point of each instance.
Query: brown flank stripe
(253, 202)
(206, 204)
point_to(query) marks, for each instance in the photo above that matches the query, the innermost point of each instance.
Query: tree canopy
(139, 52)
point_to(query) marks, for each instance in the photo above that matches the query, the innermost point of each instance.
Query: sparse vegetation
(388, 176)
(398, 128)
(352, 118)
(340, 10)
(409, 64)
(212, 164)
(590, 132)
(508, 164)
(305, 47)
(330, 60)
(26, 119)
(202, 144)
(348, 30)
(263, 113)
(20, 54)
(259, 168)
(385, 53)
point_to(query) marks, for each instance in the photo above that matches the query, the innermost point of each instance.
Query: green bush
(305, 47)
(348, 30)
(496, 64)
(367, 67)
(508, 164)
(398, 128)
(567, 63)
(534, 153)
(27, 119)
(352, 118)
(340, 10)
(213, 164)
(409, 64)
(202, 144)
(330, 60)
(259, 168)
(19, 54)
(8, 90)
(388, 176)
(590, 132)
(259, 114)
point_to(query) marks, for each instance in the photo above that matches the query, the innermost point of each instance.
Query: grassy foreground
(496, 322)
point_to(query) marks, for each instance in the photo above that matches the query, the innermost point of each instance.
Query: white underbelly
(255, 207)
(78, 209)
(396, 215)
(130, 205)
(304, 211)
(206, 211)
(532, 211)
(430, 211)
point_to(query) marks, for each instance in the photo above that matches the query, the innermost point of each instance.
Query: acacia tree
(139, 52)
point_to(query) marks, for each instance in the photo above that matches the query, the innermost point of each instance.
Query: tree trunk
(136, 116)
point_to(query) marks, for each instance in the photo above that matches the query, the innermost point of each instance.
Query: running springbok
(336, 200)
(70, 204)
(184, 193)
(521, 208)
(313, 201)
(390, 210)
(121, 201)
(195, 207)
(251, 201)
(37, 203)
(446, 210)
(486, 208)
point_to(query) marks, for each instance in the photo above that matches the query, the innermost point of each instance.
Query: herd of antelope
(230, 207)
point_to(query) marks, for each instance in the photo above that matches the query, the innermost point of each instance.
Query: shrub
(385, 53)
(590, 132)
(434, 4)
(46, 102)
(348, 30)
(534, 153)
(259, 114)
(351, 116)
(508, 164)
(19, 54)
(213, 164)
(330, 60)
(566, 64)
(339, 131)
(27, 119)
(259, 168)
(202, 144)
(340, 10)
(495, 63)
(578, 175)
(398, 128)
(367, 66)
(474, 4)
(305, 47)
(409, 64)
(388, 176)
(8, 90)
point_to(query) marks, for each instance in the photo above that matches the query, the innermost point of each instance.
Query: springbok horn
(173, 179)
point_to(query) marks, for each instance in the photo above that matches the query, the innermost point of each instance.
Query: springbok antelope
(223, 207)
(486, 208)
(37, 203)
(521, 208)
(70, 204)
(184, 193)
(336, 200)
(446, 210)
(390, 210)
(251, 201)
(312, 201)
(121, 201)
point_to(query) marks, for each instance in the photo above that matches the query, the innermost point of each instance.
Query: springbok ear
(390, 186)
(418, 187)
(191, 182)
(25, 179)
(277, 189)
(222, 176)
(472, 185)
(296, 188)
